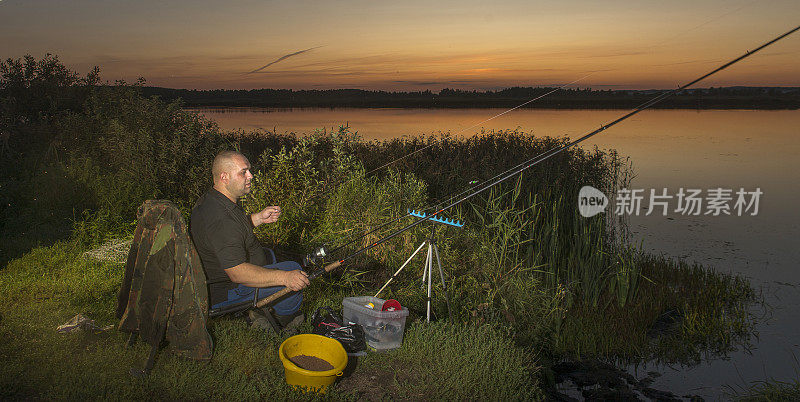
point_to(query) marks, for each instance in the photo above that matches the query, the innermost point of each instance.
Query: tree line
(567, 98)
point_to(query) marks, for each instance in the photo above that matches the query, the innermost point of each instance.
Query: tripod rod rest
(421, 214)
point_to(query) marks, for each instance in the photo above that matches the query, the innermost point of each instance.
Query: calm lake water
(672, 149)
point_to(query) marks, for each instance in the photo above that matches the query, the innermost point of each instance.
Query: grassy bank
(47, 286)
(531, 281)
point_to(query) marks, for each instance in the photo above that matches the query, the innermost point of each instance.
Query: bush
(33, 91)
(85, 156)
(299, 180)
(37, 198)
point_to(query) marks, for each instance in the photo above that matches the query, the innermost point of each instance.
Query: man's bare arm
(259, 277)
(266, 215)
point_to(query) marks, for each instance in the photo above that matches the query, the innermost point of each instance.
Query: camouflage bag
(164, 292)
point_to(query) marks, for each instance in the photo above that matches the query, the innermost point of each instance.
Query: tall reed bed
(525, 258)
(530, 222)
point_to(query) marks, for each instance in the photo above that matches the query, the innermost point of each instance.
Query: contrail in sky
(281, 58)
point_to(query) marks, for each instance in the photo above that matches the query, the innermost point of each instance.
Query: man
(235, 262)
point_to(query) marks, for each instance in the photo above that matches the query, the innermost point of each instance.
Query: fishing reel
(316, 257)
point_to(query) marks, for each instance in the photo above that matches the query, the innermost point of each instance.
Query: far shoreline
(290, 108)
(724, 98)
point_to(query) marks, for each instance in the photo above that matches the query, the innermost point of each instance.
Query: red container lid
(391, 305)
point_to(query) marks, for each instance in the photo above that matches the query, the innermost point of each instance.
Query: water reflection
(717, 146)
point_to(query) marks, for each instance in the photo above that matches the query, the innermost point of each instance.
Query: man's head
(231, 171)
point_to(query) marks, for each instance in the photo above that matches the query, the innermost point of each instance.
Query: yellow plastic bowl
(318, 346)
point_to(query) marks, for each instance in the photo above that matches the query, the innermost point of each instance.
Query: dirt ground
(378, 384)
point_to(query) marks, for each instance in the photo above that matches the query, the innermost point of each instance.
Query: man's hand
(295, 280)
(266, 215)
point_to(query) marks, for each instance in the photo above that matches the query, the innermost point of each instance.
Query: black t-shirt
(223, 236)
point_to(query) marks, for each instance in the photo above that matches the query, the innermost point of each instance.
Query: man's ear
(224, 176)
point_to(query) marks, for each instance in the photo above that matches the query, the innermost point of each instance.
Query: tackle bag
(327, 322)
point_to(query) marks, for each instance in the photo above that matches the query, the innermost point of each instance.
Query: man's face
(239, 177)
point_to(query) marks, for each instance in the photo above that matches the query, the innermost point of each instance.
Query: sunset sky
(409, 45)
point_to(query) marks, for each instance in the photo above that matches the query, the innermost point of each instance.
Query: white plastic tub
(383, 329)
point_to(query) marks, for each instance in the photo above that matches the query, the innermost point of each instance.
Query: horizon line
(599, 87)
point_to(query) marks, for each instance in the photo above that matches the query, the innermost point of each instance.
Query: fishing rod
(524, 166)
(546, 155)
(322, 251)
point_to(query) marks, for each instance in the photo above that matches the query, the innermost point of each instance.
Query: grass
(47, 286)
(684, 314)
(770, 390)
(454, 362)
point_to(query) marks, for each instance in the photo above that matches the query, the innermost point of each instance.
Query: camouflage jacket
(164, 291)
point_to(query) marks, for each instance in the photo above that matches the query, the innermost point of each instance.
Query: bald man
(235, 262)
